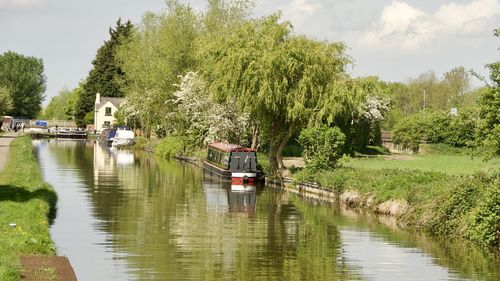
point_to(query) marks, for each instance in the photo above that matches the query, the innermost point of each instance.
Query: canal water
(129, 216)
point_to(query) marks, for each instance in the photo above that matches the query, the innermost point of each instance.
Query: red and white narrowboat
(233, 162)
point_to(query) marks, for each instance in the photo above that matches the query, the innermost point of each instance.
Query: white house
(104, 111)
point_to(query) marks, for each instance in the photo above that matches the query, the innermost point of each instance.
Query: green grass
(448, 164)
(27, 202)
(444, 149)
(466, 207)
(384, 184)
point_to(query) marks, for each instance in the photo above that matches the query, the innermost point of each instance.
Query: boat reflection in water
(224, 197)
(112, 165)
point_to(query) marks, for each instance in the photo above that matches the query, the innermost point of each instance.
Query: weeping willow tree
(280, 78)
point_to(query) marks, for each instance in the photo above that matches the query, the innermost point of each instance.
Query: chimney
(97, 98)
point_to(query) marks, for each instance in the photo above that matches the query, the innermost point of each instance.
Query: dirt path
(5, 140)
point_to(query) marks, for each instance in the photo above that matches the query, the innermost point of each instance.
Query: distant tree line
(476, 124)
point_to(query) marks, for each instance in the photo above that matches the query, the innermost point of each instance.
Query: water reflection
(129, 216)
(222, 196)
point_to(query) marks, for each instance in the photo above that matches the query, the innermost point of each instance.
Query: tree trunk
(255, 136)
(281, 147)
(273, 147)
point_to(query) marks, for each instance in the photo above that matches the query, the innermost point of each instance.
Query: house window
(107, 124)
(108, 111)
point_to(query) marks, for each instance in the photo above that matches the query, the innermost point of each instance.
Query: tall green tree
(160, 50)
(25, 80)
(61, 107)
(5, 101)
(356, 106)
(278, 77)
(106, 74)
(456, 84)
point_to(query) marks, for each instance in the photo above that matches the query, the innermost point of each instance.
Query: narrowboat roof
(230, 147)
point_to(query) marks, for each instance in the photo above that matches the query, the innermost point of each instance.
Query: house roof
(115, 101)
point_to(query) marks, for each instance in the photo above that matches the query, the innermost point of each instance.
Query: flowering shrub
(205, 119)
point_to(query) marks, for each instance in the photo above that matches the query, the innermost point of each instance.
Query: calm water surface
(126, 216)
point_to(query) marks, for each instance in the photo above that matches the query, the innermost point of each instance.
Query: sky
(392, 39)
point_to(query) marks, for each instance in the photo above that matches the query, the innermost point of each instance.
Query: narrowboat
(233, 162)
(70, 134)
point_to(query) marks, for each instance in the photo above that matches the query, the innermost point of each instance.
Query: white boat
(123, 138)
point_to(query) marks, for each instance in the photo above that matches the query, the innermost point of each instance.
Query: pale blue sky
(392, 39)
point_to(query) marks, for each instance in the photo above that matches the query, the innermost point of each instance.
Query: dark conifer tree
(104, 76)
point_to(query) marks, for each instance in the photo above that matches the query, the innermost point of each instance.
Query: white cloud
(19, 3)
(300, 10)
(402, 26)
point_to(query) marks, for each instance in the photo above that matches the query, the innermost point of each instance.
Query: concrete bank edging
(350, 198)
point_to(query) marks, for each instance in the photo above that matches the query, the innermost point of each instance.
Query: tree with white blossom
(204, 119)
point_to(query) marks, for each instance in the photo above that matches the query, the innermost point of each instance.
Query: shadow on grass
(19, 194)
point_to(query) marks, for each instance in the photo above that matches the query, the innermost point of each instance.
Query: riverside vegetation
(432, 195)
(457, 205)
(27, 205)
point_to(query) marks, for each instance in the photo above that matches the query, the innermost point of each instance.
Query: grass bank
(448, 164)
(27, 204)
(466, 207)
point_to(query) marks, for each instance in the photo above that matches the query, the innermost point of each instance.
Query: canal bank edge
(458, 207)
(351, 199)
(27, 205)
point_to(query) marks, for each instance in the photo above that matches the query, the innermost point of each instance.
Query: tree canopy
(5, 101)
(61, 107)
(106, 75)
(158, 52)
(278, 77)
(24, 78)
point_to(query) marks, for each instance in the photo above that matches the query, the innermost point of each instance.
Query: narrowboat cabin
(233, 162)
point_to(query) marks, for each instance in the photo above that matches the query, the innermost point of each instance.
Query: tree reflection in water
(165, 220)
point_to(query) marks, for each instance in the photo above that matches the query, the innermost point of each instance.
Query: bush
(436, 127)
(466, 208)
(408, 132)
(322, 146)
(484, 220)
(170, 146)
(461, 129)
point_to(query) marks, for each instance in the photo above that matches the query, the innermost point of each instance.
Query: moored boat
(107, 136)
(70, 133)
(233, 162)
(123, 137)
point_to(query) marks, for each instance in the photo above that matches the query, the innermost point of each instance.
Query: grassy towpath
(5, 139)
(26, 206)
